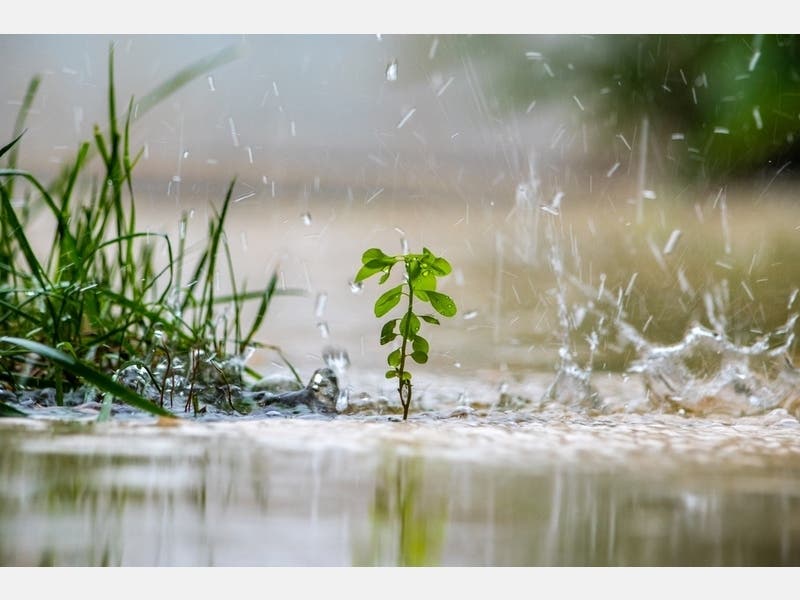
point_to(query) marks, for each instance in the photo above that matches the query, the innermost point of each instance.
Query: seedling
(419, 282)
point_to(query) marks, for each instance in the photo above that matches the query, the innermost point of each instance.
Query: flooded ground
(494, 488)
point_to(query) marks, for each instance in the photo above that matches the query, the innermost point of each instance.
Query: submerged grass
(99, 301)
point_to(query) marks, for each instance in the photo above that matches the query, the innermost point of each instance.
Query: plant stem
(401, 369)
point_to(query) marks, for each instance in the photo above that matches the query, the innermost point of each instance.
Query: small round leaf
(442, 303)
(420, 357)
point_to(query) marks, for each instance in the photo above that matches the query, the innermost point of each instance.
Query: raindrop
(306, 217)
(323, 329)
(319, 306)
(185, 154)
(375, 195)
(672, 241)
(445, 86)
(356, 287)
(292, 127)
(245, 196)
(468, 316)
(754, 60)
(211, 83)
(407, 116)
(792, 298)
(404, 246)
(391, 71)
(629, 289)
(234, 135)
(434, 46)
(722, 130)
(757, 118)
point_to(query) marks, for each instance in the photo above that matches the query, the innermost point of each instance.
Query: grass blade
(89, 374)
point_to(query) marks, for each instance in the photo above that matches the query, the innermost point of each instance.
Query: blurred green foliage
(717, 105)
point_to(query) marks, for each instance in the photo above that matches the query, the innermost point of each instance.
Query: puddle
(485, 486)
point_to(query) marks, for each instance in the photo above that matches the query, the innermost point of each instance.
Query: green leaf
(385, 275)
(409, 325)
(421, 294)
(9, 411)
(387, 332)
(366, 272)
(441, 266)
(8, 146)
(442, 303)
(406, 376)
(391, 374)
(394, 358)
(377, 255)
(430, 319)
(420, 357)
(420, 344)
(388, 301)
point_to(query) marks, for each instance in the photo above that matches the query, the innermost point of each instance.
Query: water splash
(391, 71)
(706, 372)
(338, 361)
(572, 386)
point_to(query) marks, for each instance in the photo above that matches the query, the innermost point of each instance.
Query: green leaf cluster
(419, 283)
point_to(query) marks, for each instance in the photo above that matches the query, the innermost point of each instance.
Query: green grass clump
(99, 301)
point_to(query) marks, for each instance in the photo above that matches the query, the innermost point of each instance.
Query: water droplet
(470, 315)
(185, 154)
(211, 83)
(324, 331)
(306, 217)
(403, 246)
(356, 287)
(319, 306)
(406, 117)
(672, 241)
(391, 71)
(234, 135)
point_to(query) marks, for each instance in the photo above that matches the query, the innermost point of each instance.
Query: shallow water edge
(561, 489)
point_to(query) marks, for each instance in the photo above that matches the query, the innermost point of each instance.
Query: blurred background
(465, 143)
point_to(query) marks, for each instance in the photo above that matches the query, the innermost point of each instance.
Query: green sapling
(419, 282)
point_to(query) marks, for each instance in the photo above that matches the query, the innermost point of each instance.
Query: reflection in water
(349, 492)
(408, 525)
